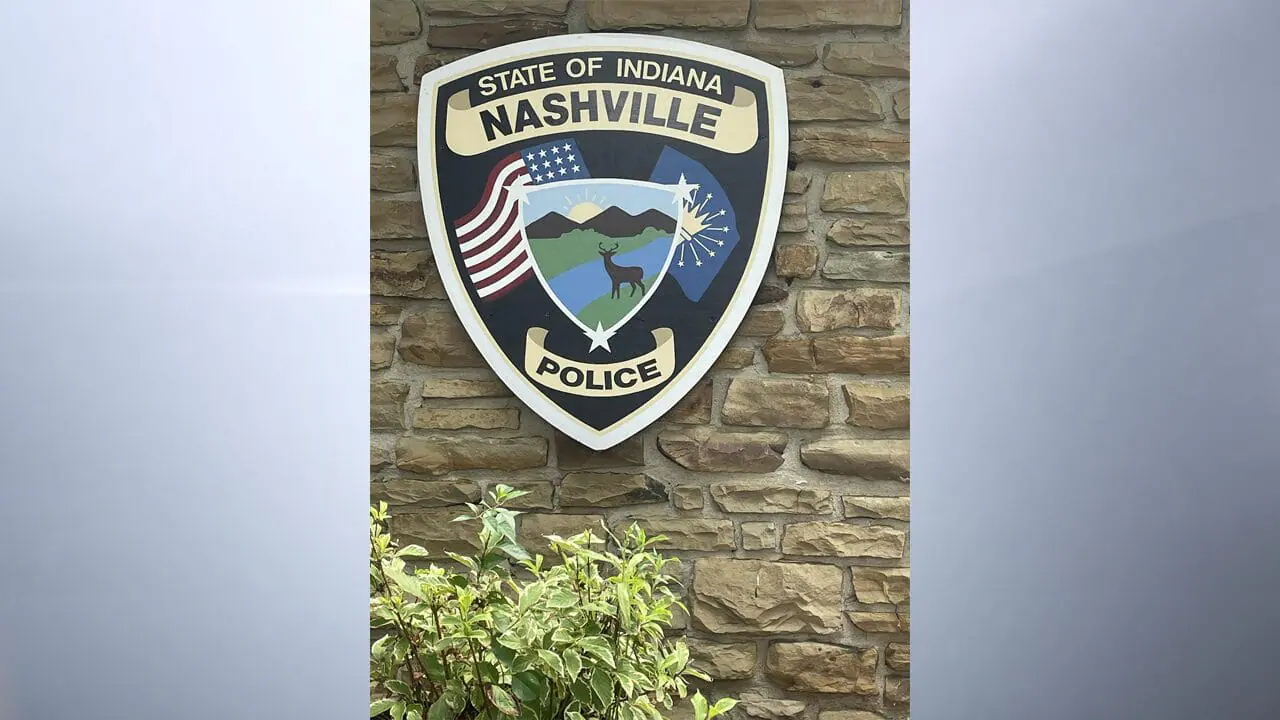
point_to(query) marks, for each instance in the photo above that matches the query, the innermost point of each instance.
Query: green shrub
(581, 639)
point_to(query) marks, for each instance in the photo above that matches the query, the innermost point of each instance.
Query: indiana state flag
(708, 226)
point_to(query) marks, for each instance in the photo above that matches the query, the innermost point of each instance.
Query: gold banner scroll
(729, 127)
(600, 380)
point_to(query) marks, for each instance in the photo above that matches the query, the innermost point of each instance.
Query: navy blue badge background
(610, 154)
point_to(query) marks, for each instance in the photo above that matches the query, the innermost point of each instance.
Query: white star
(680, 264)
(559, 161)
(529, 157)
(720, 243)
(520, 192)
(555, 150)
(712, 253)
(709, 196)
(575, 168)
(546, 164)
(684, 190)
(570, 157)
(698, 263)
(542, 153)
(566, 146)
(537, 178)
(563, 171)
(599, 338)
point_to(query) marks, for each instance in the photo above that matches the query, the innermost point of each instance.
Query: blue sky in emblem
(562, 198)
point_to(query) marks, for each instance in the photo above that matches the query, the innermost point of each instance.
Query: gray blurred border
(183, 314)
(1096, 359)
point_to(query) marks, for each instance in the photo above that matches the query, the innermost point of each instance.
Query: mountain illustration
(616, 222)
(551, 225)
(611, 222)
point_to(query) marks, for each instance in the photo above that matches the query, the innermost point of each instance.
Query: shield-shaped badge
(602, 209)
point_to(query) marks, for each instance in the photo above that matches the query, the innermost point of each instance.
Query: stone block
(867, 192)
(857, 308)
(430, 418)
(873, 59)
(756, 596)
(870, 265)
(386, 404)
(769, 499)
(877, 508)
(822, 668)
(485, 34)
(701, 534)
(597, 489)
(850, 144)
(775, 402)
(393, 21)
(795, 260)
(619, 14)
(870, 459)
(881, 585)
(723, 661)
(424, 493)
(759, 536)
(440, 455)
(404, 273)
(822, 14)
(852, 231)
(707, 450)
(866, 355)
(463, 387)
(878, 406)
(390, 171)
(434, 337)
(834, 539)
(831, 97)
(789, 355)
(393, 119)
(382, 348)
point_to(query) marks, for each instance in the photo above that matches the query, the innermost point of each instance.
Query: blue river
(579, 286)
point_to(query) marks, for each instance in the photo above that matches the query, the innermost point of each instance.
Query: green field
(555, 255)
(607, 310)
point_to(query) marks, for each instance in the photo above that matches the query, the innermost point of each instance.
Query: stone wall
(781, 480)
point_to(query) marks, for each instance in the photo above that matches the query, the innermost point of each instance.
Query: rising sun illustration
(584, 211)
(583, 206)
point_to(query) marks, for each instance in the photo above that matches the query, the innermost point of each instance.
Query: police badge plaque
(602, 209)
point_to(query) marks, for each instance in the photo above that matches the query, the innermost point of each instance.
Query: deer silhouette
(619, 274)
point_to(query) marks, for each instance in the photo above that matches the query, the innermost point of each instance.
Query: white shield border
(757, 263)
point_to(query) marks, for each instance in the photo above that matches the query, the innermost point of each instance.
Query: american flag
(491, 236)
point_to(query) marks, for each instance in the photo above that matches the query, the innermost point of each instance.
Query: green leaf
(552, 660)
(504, 654)
(448, 705)
(560, 599)
(433, 666)
(399, 687)
(723, 705)
(397, 710)
(377, 707)
(602, 686)
(415, 713)
(572, 663)
(502, 700)
(412, 551)
(581, 692)
(528, 685)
